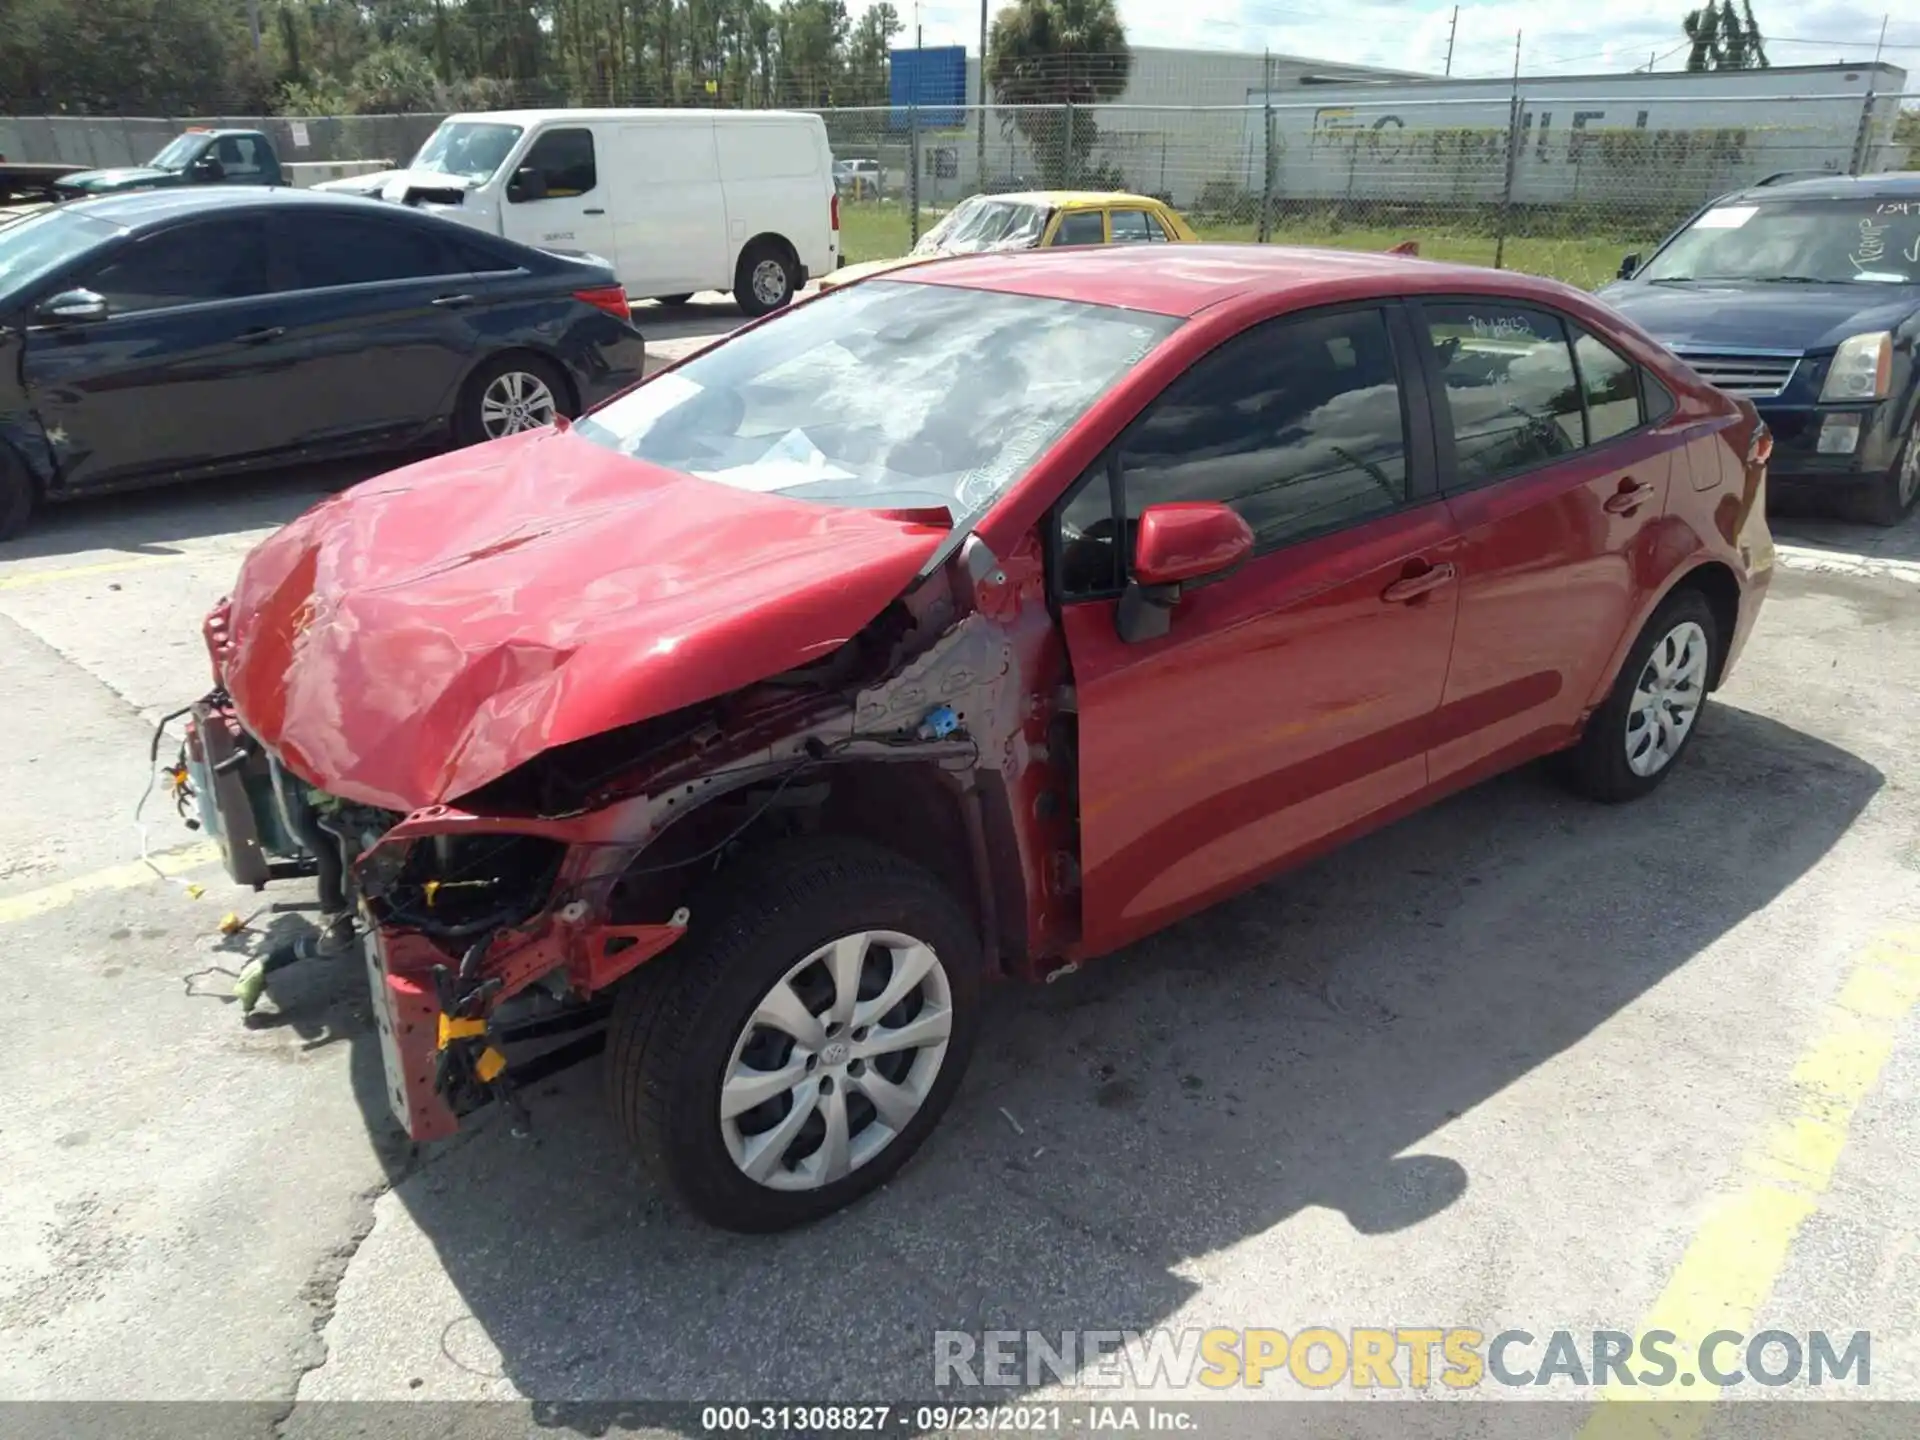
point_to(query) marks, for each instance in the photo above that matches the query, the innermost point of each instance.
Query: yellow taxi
(1034, 220)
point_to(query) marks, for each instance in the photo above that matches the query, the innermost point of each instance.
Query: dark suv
(1804, 297)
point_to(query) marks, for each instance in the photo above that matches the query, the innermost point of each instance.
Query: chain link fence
(1545, 186)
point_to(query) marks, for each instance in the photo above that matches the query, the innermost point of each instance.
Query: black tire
(18, 495)
(674, 299)
(1889, 498)
(1597, 766)
(469, 419)
(764, 253)
(678, 1018)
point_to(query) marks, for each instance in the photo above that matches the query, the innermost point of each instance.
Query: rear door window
(1081, 227)
(1134, 227)
(1511, 389)
(329, 251)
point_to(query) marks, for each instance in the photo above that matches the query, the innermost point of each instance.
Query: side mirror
(527, 184)
(1177, 547)
(71, 307)
(1629, 266)
(208, 167)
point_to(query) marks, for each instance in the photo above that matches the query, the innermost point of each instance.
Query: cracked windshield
(467, 148)
(884, 396)
(1807, 242)
(985, 224)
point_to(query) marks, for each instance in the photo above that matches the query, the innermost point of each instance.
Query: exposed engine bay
(494, 926)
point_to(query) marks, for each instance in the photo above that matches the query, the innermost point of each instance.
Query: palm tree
(1055, 53)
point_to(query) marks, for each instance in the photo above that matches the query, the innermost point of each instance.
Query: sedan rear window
(884, 395)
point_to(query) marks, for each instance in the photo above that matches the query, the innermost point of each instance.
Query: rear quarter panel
(1715, 515)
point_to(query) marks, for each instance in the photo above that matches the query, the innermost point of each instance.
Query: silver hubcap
(1910, 468)
(836, 1060)
(1667, 698)
(769, 282)
(514, 402)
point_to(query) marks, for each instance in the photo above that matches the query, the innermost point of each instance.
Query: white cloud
(1562, 39)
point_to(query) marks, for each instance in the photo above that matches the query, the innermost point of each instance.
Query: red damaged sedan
(963, 624)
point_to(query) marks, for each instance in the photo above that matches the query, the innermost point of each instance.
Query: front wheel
(799, 1045)
(1887, 499)
(1632, 741)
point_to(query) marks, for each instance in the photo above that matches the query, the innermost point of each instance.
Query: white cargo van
(675, 200)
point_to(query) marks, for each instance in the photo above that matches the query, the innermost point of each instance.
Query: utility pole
(1453, 27)
(980, 163)
(1881, 44)
(253, 25)
(1514, 132)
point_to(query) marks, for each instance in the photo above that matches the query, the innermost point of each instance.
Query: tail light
(610, 298)
(834, 213)
(1760, 447)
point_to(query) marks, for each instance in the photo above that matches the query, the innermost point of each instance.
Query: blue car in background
(1804, 297)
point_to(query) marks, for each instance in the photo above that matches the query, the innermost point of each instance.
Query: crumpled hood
(95, 182)
(1761, 316)
(426, 632)
(394, 184)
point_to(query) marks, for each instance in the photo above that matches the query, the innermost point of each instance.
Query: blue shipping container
(934, 80)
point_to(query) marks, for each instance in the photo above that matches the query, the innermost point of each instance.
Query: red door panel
(1549, 581)
(1289, 701)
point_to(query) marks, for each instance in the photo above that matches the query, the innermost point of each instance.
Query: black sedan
(175, 334)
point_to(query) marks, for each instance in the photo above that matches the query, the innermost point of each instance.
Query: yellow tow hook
(488, 1064)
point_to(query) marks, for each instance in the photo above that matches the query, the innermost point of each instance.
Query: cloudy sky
(1557, 38)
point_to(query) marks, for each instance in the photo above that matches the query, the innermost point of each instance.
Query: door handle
(1631, 495)
(596, 210)
(453, 302)
(1412, 587)
(261, 336)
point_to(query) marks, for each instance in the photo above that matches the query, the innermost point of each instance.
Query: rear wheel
(766, 278)
(18, 495)
(508, 395)
(1888, 499)
(1632, 741)
(797, 1047)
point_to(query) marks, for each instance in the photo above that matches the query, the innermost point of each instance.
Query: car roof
(1074, 199)
(1183, 280)
(1888, 185)
(137, 208)
(526, 118)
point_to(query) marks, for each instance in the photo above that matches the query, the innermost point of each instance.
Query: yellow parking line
(81, 572)
(1738, 1252)
(28, 904)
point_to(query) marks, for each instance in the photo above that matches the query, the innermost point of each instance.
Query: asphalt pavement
(1517, 1062)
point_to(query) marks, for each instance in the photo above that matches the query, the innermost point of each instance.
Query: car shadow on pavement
(1292, 1048)
(155, 521)
(1815, 528)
